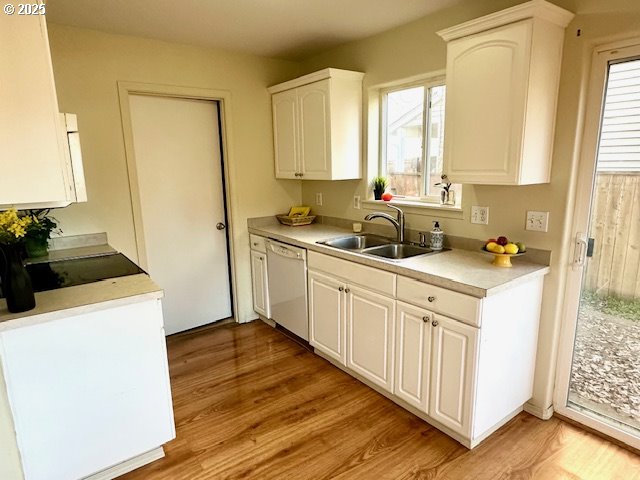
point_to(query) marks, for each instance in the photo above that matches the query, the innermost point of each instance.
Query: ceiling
(289, 29)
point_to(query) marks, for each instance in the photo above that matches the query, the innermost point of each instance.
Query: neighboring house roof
(620, 134)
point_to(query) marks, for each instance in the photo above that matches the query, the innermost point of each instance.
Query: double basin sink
(378, 246)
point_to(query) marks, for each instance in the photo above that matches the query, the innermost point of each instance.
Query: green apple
(521, 247)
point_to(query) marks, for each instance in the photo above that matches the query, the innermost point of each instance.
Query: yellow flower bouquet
(13, 228)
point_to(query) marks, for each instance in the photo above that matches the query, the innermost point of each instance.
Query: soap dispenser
(437, 237)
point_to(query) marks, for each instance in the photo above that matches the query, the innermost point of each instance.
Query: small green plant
(41, 225)
(379, 185)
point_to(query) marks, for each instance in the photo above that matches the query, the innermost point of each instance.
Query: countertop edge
(81, 299)
(398, 268)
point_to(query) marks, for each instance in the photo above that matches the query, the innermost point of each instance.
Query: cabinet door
(285, 143)
(90, 391)
(413, 350)
(314, 124)
(486, 89)
(32, 141)
(453, 362)
(259, 283)
(370, 332)
(327, 315)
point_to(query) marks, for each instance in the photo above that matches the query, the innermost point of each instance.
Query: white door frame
(223, 98)
(602, 54)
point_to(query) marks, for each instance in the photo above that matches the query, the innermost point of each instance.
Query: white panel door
(179, 173)
(413, 351)
(90, 391)
(370, 331)
(260, 283)
(32, 145)
(315, 139)
(452, 371)
(327, 315)
(285, 138)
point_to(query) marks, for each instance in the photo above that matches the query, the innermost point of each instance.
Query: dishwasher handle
(283, 251)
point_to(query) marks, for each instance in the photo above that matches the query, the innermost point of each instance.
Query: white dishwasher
(287, 277)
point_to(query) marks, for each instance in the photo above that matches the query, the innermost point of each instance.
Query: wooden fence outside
(614, 269)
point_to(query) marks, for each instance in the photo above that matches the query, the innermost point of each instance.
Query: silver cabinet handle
(431, 299)
(425, 319)
(347, 290)
(220, 226)
(434, 323)
(341, 289)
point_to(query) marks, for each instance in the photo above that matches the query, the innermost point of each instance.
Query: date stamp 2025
(24, 9)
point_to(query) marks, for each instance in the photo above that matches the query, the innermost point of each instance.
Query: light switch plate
(356, 202)
(319, 199)
(480, 215)
(537, 221)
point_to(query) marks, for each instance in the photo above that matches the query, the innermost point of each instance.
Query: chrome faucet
(399, 223)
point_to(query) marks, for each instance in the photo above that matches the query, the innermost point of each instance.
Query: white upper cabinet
(31, 134)
(503, 72)
(317, 126)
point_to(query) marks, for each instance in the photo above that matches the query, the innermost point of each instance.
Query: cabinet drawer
(257, 243)
(372, 278)
(457, 305)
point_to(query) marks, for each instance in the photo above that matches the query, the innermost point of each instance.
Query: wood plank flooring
(252, 404)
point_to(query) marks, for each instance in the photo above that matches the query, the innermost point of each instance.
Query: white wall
(87, 64)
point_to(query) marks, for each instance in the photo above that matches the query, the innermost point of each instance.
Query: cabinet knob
(425, 319)
(347, 290)
(255, 244)
(434, 323)
(340, 289)
(431, 299)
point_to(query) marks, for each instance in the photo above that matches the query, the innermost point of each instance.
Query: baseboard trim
(536, 411)
(128, 466)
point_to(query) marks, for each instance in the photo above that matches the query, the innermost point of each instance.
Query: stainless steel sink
(356, 242)
(377, 246)
(397, 251)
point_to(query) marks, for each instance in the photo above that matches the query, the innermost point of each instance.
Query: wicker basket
(295, 221)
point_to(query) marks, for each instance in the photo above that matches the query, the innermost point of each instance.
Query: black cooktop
(78, 271)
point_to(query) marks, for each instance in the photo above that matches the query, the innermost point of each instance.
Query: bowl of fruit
(502, 250)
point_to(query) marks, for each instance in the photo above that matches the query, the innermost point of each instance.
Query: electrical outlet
(319, 199)
(480, 215)
(537, 221)
(356, 202)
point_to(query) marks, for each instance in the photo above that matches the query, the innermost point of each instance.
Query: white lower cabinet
(259, 271)
(370, 331)
(468, 376)
(327, 325)
(453, 362)
(86, 392)
(259, 284)
(413, 355)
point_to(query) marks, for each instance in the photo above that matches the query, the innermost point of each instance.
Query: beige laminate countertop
(79, 299)
(459, 270)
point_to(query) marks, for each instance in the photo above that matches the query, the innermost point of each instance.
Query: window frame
(427, 83)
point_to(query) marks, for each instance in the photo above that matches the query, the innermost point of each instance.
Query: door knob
(220, 226)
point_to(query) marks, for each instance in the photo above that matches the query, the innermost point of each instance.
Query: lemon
(511, 248)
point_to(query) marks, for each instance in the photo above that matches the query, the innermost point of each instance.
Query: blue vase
(16, 283)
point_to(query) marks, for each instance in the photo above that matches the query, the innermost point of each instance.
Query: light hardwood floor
(251, 403)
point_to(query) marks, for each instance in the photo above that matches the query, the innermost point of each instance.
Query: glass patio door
(601, 387)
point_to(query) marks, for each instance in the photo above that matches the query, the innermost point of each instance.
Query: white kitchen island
(84, 382)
